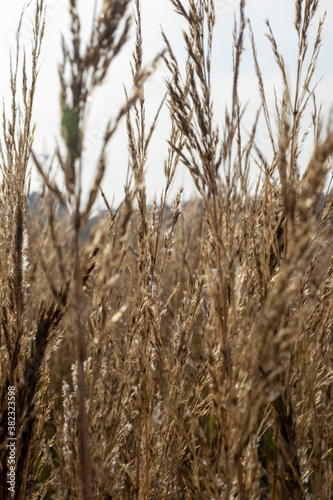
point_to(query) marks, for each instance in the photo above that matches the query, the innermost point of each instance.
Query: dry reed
(179, 351)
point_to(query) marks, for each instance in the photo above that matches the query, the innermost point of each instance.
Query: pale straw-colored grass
(171, 352)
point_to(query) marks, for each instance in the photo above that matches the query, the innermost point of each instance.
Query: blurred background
(157, 15)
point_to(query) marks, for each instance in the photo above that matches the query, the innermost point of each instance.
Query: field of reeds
(170, 350)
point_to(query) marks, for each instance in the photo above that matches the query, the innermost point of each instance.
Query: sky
(157, 14)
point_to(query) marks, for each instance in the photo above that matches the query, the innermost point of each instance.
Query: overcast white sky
(156, 13)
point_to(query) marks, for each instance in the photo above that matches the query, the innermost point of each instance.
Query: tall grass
(179, 351)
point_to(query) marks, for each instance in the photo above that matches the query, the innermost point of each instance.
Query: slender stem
(85, 466)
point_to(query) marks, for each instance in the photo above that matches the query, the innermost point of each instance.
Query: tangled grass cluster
(179, 352)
